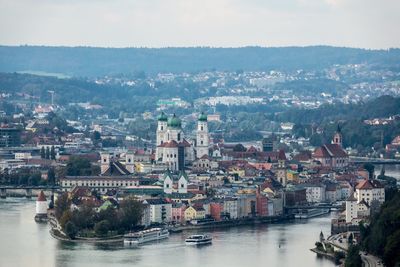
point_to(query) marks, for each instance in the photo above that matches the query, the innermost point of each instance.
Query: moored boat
(198, 240)
(153, 234)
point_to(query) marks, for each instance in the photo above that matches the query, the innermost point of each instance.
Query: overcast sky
(220, 23)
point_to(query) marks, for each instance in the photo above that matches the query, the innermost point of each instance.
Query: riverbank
(57, 233)
(95, 240)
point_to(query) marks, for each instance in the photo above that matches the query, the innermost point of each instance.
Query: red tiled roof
(41, 196)
(171, 143)
(366, 184)
(329, 151)
(281, 155)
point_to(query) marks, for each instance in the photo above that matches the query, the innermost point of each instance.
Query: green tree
(42, 153)
(78, 166)
(51, 176)
(61, 205)
(47, 156)
(370, 168)
(52, 153)
(101, 228)
(130, 213)
(353, 258)
(70, 230)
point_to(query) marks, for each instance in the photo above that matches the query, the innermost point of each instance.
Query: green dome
(174, 122)
(203, 117)
(162, 117)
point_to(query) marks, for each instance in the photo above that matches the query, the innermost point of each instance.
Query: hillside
(90, 61)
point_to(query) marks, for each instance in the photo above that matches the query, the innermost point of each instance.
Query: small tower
(41, 207)
(321, 237)
(161, 133)
(168, 182)
(129, 162)
(281, 170)
(105, 159)
(182, 182)
(202, 140)
(337, 138)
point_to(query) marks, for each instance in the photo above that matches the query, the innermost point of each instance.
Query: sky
(372, 24)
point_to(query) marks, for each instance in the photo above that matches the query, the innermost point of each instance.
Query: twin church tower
(173, 149)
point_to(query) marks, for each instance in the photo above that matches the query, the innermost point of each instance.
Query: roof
(366, 184)
(162, 117)
(174, 121)
(41, 196)
(281, 155)
(170, 144)
(116, 169)
(329, 151)
(156, 201)
(203, 117)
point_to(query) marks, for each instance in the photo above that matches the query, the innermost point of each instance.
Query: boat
(152, 234)
(310, 213)
(198, 240)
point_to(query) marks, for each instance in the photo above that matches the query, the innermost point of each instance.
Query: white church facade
(173, 149)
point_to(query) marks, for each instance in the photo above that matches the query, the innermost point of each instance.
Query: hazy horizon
(364, 24)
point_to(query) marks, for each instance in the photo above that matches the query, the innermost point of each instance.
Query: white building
(315, 193)
(370, 190)
(175, 184)
(231, 207)
(160, 210)
(172, 147)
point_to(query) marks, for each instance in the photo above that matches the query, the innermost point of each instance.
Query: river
(26, 243)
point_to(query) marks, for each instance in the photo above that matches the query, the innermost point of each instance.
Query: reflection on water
(30, 244)
(390, 170)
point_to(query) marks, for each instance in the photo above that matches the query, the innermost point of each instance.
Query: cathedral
(173, 149)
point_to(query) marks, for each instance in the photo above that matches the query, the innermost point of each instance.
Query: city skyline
(176, 23)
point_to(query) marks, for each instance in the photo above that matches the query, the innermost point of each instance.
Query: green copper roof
(203, 117)
(174, 122)
(162, 117)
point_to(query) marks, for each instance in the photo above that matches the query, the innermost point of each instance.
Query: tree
(353, 258)
(42, 153)
(370, 168)
(47, 156)
(51, 176)
(52, 153)
(101, 228)
(130, 213)
(239, 148)
(62, 204)
(70, 230)
(78, 166)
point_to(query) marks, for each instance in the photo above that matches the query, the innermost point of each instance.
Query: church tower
(105, 159)
(161, 130)
(337, 138)
(202, 141)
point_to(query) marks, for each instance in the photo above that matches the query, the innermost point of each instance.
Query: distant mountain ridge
(93, 61)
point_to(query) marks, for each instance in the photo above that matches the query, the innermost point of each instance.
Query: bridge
(362, 160)
(309, 207)
(27, 190)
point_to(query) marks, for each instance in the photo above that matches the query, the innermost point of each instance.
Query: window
(201, 128)
(179, 136)
(182, 185)
(105, 160)
(162, 128)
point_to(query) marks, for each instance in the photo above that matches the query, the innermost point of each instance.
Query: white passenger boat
(198, 240)
(310, 213)
(153, 234)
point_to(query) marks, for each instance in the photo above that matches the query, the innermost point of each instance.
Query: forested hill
(380, 107)
(89, 61)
